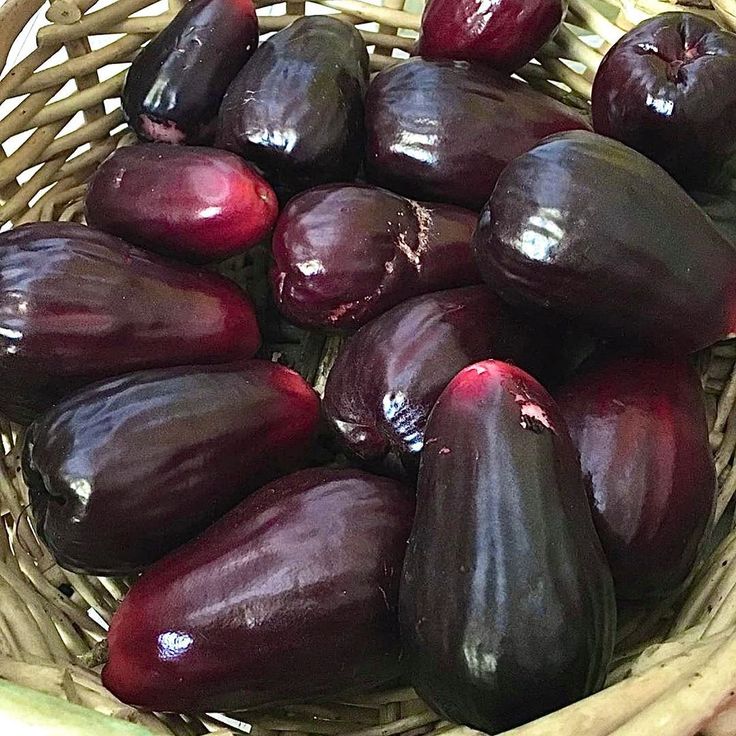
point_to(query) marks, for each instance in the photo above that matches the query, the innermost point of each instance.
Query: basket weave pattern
(675, 673)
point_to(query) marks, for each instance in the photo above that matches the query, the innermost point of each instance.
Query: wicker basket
(675, 672)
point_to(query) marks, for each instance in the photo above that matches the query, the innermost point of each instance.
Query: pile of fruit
(521, 427)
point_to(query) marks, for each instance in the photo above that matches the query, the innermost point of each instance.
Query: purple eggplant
(507, 609)
(195, 204)
(389, 374)
(292, 595)
(128, 469)
(344, 254)
(78, 305)
(296, 109)
(443, 131)
(590, 230)
(174, 87)
(639, 426)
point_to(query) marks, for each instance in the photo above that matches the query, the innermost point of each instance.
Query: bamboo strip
(21, 117)
(578, 50)
(386, 50)
(21, 625)
(597, 22)
(14, 16)
(29, 151)
(727, 10)
(375, 13)
(42, 178)
(571, 78)
(21, 71)
(86, 134)
(77, 49)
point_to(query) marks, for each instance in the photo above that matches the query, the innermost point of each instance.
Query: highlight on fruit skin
(188, 202)
(506, 609)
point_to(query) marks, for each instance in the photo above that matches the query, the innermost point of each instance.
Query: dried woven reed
(676, 669)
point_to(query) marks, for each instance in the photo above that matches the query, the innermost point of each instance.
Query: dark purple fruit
(639, 426)
(389, 374)
(128, 469)
(667, 89)
(504, 34)
(296, 109)
(507, 609)
(588, 229)
(344, 254)
(292, 595)
(78, 305)
(444, 130)
(174, 87)
(196, 204)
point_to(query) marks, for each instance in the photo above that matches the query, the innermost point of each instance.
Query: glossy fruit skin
(633, 257)
(507, 609)
(292, 595)
(389, 374)
(305, 124)
(78, 305)
(504, 35)
(654, 91)
(174, 87)
(639, 426)
(128, 469)
(343, 254)
(451, 145)
(195, 204)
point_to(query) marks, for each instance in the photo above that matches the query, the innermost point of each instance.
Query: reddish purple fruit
(175, 85)
(639, 425)
(196, 204)
(126, 470)
(389, 374)
(584, 228)
(507, 609)
(78, 305)
(450, 145)
(344, 254)
(292, 595)
(504, 34)
(667, 89)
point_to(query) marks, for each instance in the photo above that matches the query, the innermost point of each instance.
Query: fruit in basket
(130, 468)
(666, 88)
(344, 254)
(504, 34)
(451, 145)
(389, 374)
(296, 109)
(174, 87)
(593, 231)
(78, 305)
(192, 203)
(507, 609)
(292, 595)
(639, 426)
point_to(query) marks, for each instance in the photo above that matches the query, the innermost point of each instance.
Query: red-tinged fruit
(195, 204)
(507, 609)
(174, 87)
(78, 305)
(504, 34)
(292, 595)
(587, 229)
(639, 426)
(389, 374)
(667, 89)
(450, 145)
(343, 254)
(128, 469)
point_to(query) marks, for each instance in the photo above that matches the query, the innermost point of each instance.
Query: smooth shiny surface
(192, 203)
(588, 229)
(444, 130)
(77, 305)
(507, 609)
(292, 595)
(504, 34)
(389, 374)
(667, 89)
(296, 109)
(344, 254)
(126, 470)
(639, 426)
(175, 85)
